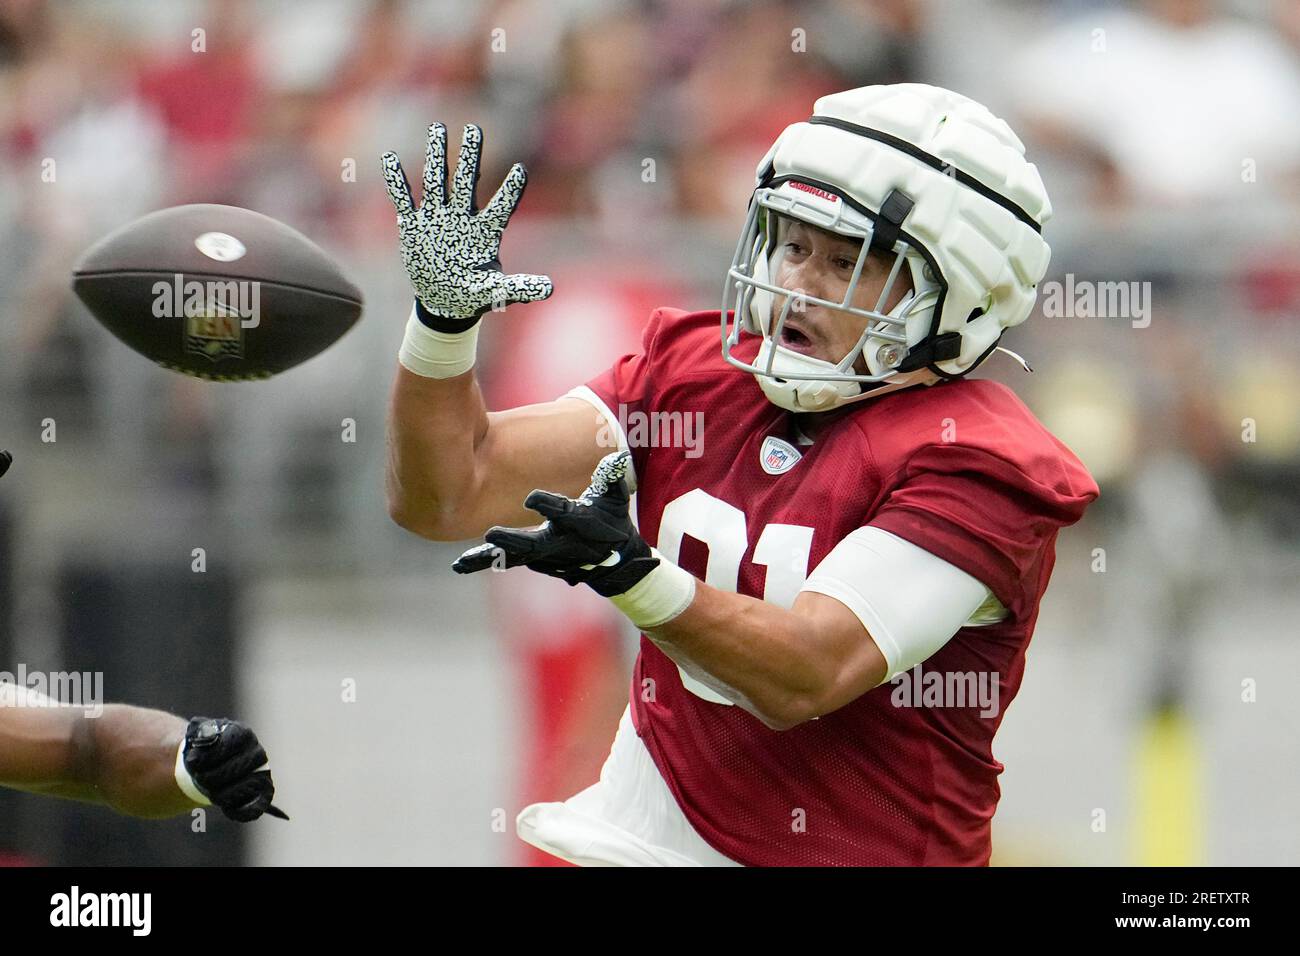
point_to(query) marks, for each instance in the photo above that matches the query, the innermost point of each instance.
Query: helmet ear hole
(982, 309)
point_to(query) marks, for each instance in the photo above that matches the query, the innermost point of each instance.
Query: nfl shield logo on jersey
(777, 456)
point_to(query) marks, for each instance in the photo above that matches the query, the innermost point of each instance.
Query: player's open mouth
(796, 339)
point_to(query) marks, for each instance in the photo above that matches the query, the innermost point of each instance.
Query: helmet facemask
(792, 379)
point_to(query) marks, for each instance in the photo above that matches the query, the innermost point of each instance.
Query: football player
(141, 762)
(860, 515)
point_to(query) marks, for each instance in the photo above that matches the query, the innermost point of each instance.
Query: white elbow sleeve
(910, 601)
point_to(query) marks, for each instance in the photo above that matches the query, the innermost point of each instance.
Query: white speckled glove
(450, 249)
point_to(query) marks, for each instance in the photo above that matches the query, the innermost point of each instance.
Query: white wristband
(186, 782)
(658, 597)
(435, 354)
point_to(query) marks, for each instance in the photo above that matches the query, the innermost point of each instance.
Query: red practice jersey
(961, 469)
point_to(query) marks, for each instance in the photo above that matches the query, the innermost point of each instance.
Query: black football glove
(588, 540)
(230, 768)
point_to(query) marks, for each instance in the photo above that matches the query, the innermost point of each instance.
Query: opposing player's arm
(125, 757)
(455, 469)
(141, 762)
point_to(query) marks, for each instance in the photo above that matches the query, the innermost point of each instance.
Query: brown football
(217, 292)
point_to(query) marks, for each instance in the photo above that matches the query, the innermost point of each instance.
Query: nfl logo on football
(214, 333)
(216, 313)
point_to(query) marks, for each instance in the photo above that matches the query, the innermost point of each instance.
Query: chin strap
(937, 348)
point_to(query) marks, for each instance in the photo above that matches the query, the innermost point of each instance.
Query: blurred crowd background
(411, 713)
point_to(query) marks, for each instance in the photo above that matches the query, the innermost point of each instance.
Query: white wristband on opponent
(435, 354)
(658, 597)
(186, 782)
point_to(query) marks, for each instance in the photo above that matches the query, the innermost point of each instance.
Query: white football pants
(627, 818)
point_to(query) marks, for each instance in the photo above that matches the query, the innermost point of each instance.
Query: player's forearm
(435, 427)
(127, 757)
(771, 661)
(437, 420)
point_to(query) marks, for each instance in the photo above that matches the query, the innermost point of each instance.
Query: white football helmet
(915, 170)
